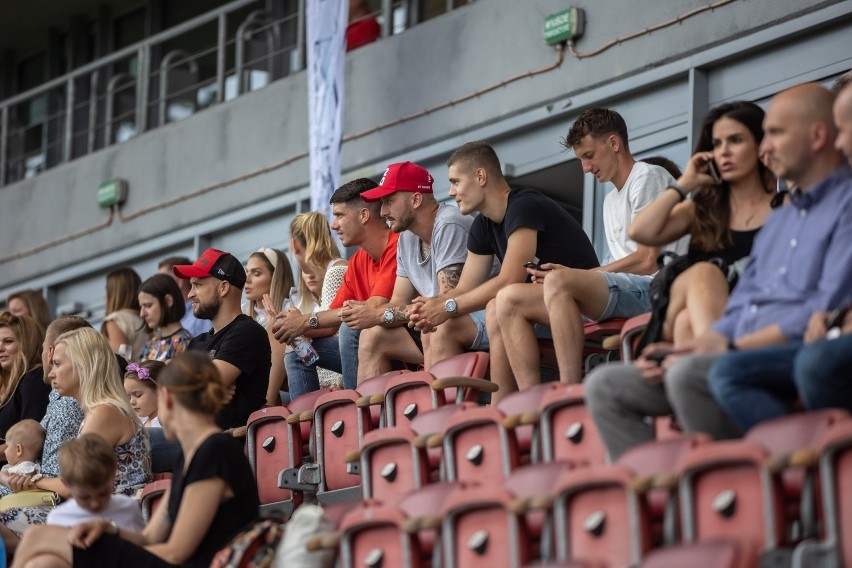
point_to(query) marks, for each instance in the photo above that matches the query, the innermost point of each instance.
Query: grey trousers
(620, 401)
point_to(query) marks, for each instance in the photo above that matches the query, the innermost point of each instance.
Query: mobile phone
(534, 264)
(658, 356)
(780, 185)
(834, 321)
(713, 171)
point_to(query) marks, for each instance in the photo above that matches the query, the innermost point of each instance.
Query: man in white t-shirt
(431, 251)
(619, 288)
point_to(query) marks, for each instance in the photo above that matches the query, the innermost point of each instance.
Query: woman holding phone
(722, 200)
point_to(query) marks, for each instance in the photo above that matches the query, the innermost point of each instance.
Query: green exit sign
(112, 192)
(564, 25)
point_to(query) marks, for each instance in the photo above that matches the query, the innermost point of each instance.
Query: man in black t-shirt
(516, 226)
(238, 346)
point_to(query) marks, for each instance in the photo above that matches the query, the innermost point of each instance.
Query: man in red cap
(431, 251)
(237, 344)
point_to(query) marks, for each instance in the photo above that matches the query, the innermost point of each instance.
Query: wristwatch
(313, 321)
(389, 316)
(450, 306)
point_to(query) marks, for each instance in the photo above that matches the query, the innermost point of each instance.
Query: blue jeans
(823, 373)
(165, 454)
(336, 353)
(757, 385)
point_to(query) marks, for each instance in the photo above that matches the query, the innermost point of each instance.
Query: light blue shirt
(801, 262)
(192, 324)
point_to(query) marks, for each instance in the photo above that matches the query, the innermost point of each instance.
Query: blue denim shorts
(480, 343)
(629, 295)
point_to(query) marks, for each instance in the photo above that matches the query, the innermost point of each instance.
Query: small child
(140, 383)
(88, 467)
(24, 443)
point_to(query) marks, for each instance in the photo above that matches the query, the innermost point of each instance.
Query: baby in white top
(87, 466)
(24, 443)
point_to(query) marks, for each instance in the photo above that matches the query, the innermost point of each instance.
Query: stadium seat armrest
(464, 383)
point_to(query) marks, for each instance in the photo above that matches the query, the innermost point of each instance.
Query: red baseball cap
(403, 176)
(215, 263)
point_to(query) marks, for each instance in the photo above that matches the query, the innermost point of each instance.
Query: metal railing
(161, 79)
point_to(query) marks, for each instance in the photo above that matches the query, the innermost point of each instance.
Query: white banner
(326, 45)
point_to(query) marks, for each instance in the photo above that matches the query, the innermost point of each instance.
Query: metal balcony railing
(205, 61)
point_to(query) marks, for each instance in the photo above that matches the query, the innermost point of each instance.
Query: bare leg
(452, 338)
(568, 294)
(425, 340)
(677, 304)
(378, 346)
(44, 546)
(10, 539)
(707, 296)
(519, 307)
(501, 371)
(682, 332)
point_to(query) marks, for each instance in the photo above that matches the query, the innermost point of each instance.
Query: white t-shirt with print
(122, 510)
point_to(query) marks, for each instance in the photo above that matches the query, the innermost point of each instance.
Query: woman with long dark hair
(731, 196)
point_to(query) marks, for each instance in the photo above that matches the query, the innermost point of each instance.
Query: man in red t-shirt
(368, 283)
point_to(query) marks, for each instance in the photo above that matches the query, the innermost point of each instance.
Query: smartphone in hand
(834, 321)
(713, 170)
(534, 264)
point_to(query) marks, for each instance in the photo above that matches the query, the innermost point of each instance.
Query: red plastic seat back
(599, 517)
(268, 444)
(471, 364)
(152, 497)
(372, 535)
(708, 554)
(336, 433)
(478, 448)
(375, 385)
(409, 395)
(302, 403)
(525, 403)
(568, 432)
(726, 491)
(390, 464)
(480, 530)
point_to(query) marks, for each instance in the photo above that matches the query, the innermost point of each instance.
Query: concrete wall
(456, 54)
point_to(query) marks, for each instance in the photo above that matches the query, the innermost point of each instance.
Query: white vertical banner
(326, 45)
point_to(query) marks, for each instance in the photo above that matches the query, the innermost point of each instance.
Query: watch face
(389, 316)
(450, 306)
(313, 322)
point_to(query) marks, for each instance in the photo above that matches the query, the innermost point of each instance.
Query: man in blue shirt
(801, 263)
(759, 385)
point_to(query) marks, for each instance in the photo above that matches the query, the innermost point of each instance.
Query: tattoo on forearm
(448, 278)
(399, 314)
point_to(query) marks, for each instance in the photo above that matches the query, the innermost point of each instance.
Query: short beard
(207, 311)
(404, 222)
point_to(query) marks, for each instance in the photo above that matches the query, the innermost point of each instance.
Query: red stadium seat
(568, 432)
(599, 516)
(480, 529)
(273, 446)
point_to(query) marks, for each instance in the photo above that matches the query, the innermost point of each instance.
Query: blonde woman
(122, 324)
(322, 270)
(212, 498)
(85, 369)
(268, 272)
(23, 393)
